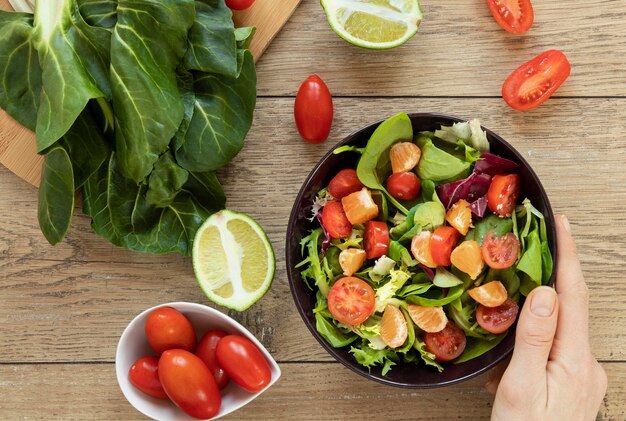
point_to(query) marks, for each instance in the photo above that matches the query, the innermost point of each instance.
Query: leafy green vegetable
(438, 300)
(429, 215)
(386, 292)
(102, 13)
(499, 225)
(445, 279)
(476, 347)
(166, 181)
(399, 253)
(530, 261)
(313, 269)
(438, 165)
(427, 357)
(470, 132)
(414, 289)
(335, 337)
(369, 357)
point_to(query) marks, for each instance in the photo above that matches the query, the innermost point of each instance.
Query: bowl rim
(293, 217)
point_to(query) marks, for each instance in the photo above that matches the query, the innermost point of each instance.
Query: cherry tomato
(335, 221)
(313, 110)
(351, 300)
(446, 344)
(403, 185)
(344, 183)
(239, 4)
(206, 352)
(144, 375)
(442, 242)
(244, 362)
(503, 193)
(376, 239)
(531, 84)
(516, 16)
(189, 383)
(497, 319)
(500, 252)
(167, 328)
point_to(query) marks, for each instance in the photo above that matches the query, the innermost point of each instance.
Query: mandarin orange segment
(491, 294)
(359, 207)
(393, 328)
(404, 156)
(420, 248)
(460, 216)
(468, 257)
(351, 260)
(429, 319)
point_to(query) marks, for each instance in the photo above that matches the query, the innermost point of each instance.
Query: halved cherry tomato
(313, 110)
(460, 216)
(500, 252)
(420, 248)
(393, 327)
(344, 183)
(376, 239)
(497, 319)
(206, 352)
(531, 84)
(244, 362)
(446, 344)
(239, 4)
(167, 328)
(503, 193)
(189, 383)
(442, 242)
(516, 16)
(144, 375)
(403, 185)
(335, 221)
(351, 300)
(360, 206)
(468, 258)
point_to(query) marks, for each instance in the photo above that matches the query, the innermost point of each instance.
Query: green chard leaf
(188, 98)
(101, 13)
(244, 36)
(166, 181)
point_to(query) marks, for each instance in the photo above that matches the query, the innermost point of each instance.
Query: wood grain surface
(63, 308)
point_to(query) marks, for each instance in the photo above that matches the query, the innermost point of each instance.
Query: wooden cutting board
(18, 151)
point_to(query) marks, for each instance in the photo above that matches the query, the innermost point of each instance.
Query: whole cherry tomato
(244, 362)
(313, 110)
(144, 375)
(239, 4)
(167, 328)
(403, 185)
(206, 352)
(189, 383)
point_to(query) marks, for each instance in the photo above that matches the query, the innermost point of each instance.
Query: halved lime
(233, 260)
(376, 24)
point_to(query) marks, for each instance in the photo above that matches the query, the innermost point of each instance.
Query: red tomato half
(189, 383)
(500, 252)
(313, 110)
(376, 239)
(447, 344)
(531, 84)
(503, 193)
(144, 375)
(345, 182)
(497, 319)
(167, 328)
(442, 242)
(239, 4)
(206, 352)
(244, 362)
(351, 300)
(335, 220)
(403, 185)
(516, 16)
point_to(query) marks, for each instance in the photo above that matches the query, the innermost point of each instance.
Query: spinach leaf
(19, 68)
(530, 262)
(102, 13)
(166, 181)
(402, 228)
(438, 165)
(374, 165)
(476, 347)
(335, 337)
(410, 339)
(499, 225)
(429, 215)
(439, 300)
(56, 195)
(414, 289)
(221, 119)
(445, 279)
(143, 74)
(399, 253)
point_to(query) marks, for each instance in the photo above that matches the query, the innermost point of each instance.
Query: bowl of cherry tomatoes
(439, 302)
(186, 361)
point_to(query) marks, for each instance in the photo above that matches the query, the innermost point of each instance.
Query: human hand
(552, 374)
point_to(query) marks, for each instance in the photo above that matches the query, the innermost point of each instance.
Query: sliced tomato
(442, 242)
(351, 300)
(335, 221)
(344, 183)
(531, 84)
(503, 193)
(376, 239)
(497, 319)
(446, 344)
(403, 185)
(516, 16)
(500, 252)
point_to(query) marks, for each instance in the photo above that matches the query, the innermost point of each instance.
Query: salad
(421, 253)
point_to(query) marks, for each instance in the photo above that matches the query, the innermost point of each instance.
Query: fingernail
(543, 302)
(565, 222)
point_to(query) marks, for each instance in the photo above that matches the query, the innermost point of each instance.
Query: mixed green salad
(423, 250)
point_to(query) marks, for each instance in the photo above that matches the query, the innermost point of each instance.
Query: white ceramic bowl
(134, 345)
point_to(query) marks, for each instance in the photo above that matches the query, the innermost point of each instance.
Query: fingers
(535, 332)
(573, 330)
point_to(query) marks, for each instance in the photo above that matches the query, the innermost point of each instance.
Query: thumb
(534, 336)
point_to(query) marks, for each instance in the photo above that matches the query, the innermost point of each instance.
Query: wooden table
(63, 308)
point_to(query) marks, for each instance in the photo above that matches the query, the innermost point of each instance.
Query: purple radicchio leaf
(326, 242)
(493, 165)
(470, 188)
(479, 206)
(428, 271)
